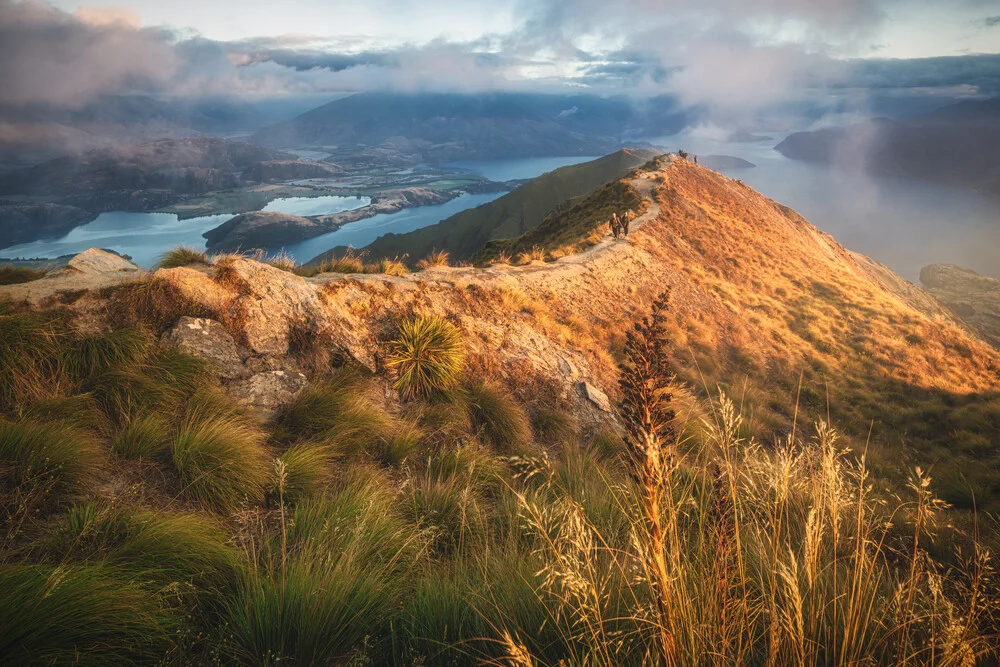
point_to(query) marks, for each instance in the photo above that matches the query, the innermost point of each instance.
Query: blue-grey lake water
(363, 232)
(146, 236)
(903, 223)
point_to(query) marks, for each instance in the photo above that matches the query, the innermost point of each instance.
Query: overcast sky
(717, 53)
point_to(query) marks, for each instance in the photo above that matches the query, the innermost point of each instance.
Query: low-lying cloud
(730, 57)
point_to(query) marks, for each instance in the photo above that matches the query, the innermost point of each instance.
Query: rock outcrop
(209, 340)
(100, 262)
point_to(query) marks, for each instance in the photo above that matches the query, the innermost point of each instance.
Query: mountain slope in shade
(465, 233)
(448, 126)
(965, 154)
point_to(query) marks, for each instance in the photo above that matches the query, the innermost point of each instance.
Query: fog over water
(903, 223)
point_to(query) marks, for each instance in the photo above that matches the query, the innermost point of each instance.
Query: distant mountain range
(465, 233)
(958, 144)
(29, 134)
(448, 126)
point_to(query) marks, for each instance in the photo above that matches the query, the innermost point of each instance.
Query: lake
(363, 232)
(517, 168)
(146, 236)
(903, 223)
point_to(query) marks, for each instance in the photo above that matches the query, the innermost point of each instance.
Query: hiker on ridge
(616, 226)
(626, 221)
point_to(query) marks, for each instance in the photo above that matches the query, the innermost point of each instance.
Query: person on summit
(616, 226)
(626, 221)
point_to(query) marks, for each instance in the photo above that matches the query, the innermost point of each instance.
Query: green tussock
(220, 461)
(498, 419)
(90, 355)
(427, 356)
(164, 380)
(304, 470)
(41, 463)
(553, 427)
(29, 347)
(143, 436)
(182, 256)
(78, 615)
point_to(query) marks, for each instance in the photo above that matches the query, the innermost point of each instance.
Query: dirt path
(560, 272)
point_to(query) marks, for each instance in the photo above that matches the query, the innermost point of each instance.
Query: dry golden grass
(435, 258)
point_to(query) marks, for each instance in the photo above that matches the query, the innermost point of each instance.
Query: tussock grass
(153, 303)
(14, 275)
(78, 615)
(182, 256)
(434, 258)
(166, 548)
(304, 471)
(427, 356)
(29, 346)
(142, 436)
(498, 419)
(220, 460)
(41, 463)
(165, 380)
(93, 354)
(343, 415)
(552, 427)
(80, 411)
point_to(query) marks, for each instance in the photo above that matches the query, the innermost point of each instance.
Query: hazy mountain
(182, 165)
(33, 133)
(967, 112)
(966, 154)
(464, 233)
(443, 126)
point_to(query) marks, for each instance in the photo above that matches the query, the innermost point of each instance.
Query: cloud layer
(729, 57)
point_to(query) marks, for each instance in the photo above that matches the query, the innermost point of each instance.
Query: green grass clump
(221, 461)
(164, 380)
(427, 356)
(182, 256)
(80, 616)
(343, 415)
(303, 470)
(552, 427)
(143, 436)
(13, 275)
(41, 462)
(498, 419)
(80, 411)
(94, 354)
(29, 347)
(166, 548)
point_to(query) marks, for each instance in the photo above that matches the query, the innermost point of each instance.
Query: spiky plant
(182, 256)
(29, 346)
(427, 356)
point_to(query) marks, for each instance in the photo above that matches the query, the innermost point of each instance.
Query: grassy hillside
(447, 489)
(568, 228)
(463, 234)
